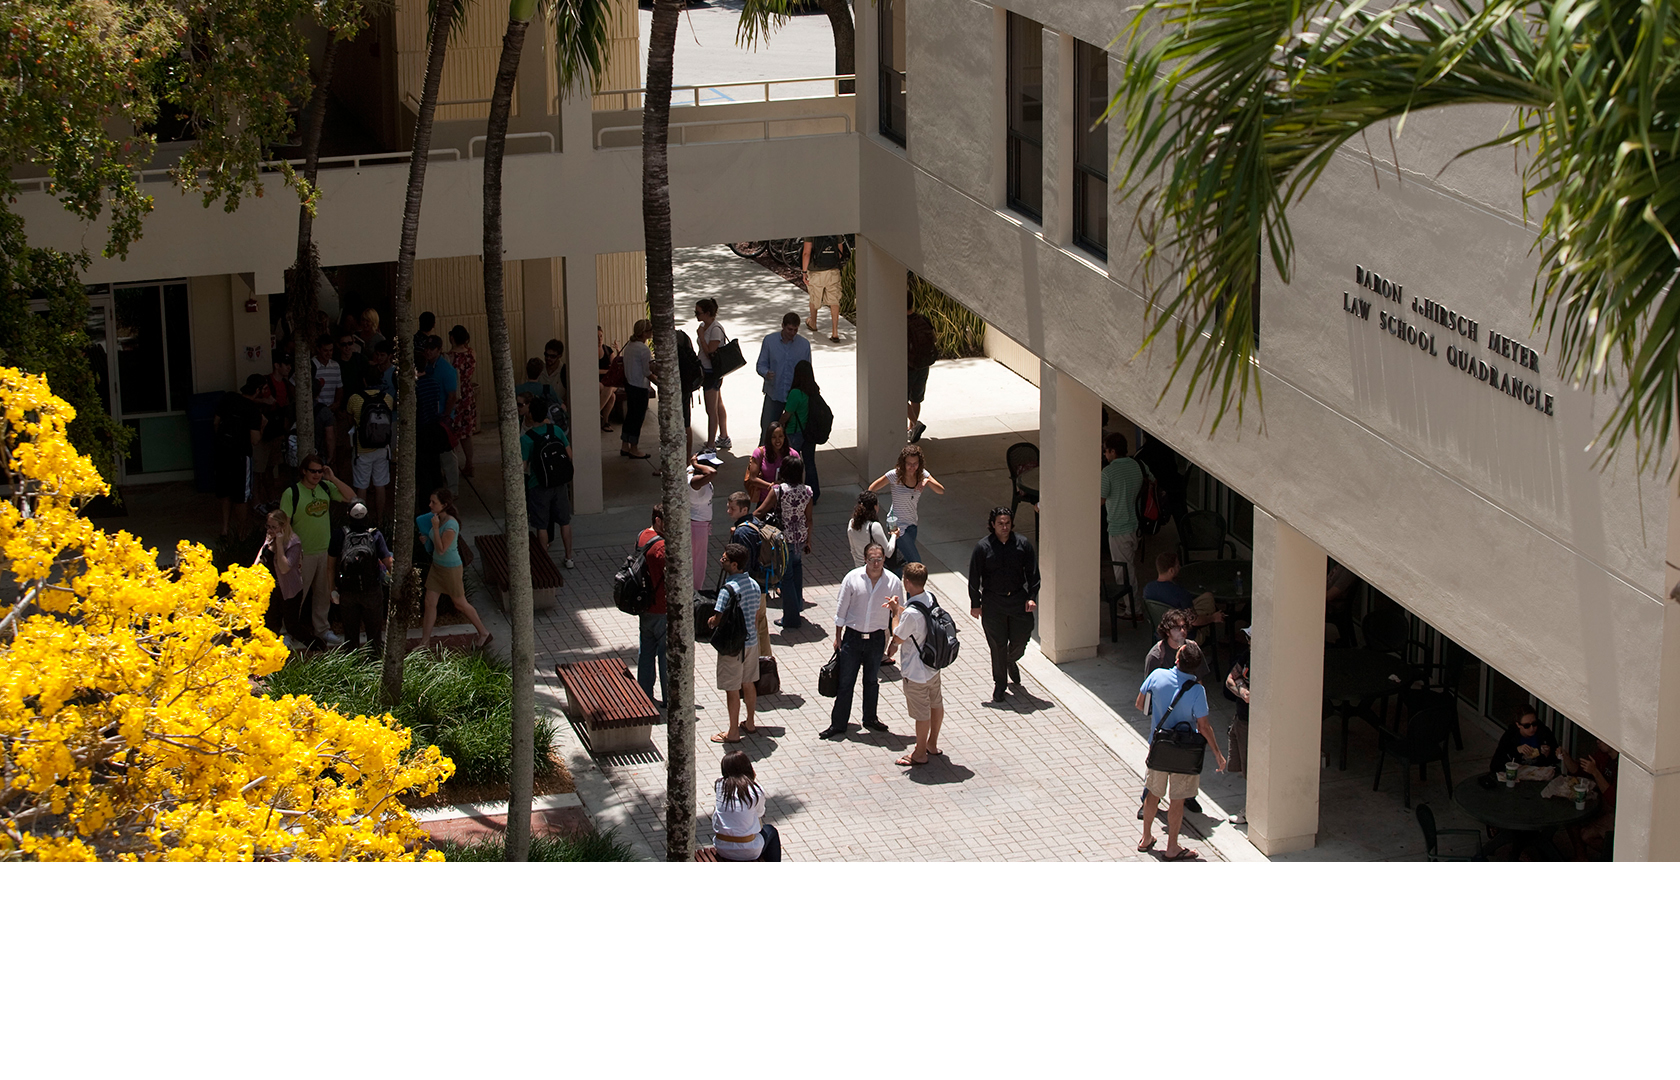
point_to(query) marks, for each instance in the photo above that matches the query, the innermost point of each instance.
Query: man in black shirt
(921, 349)
(1003, 594)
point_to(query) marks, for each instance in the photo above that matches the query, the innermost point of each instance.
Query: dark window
(154, 349)
(1090, 149)
(892, 69)
(1026, 116)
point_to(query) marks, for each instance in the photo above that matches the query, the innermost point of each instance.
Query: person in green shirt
(796, 413)
(1122, 479)
(546, 507)
(308, 503)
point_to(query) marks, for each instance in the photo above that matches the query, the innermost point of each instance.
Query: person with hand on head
(738, 825)
(737, 673)
(702, 468)
(1003, 587)
(282, 554)
(1173, 696)
(308, 503)
(922, 697)
(778, 356)
(361, 563)
(440, 530)
(905, 485)
(861, 621)
(792, 499)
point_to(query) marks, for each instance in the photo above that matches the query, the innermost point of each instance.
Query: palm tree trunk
(402, 332)
(845, 41)
(302, 303)
(518, 838)
(673, 434)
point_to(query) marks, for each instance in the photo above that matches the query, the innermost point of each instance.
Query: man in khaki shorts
(921, 683)
(821, 260)
(737, 673)
(1172, 696)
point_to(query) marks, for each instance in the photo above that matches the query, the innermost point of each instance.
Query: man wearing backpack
(1122, 479)
(373, 420)
(915, 628)
(1173, 696)
(737, 672)
(820, 260)
(548, 469)
(361, 560)
(746, 530)
(308, 504)
(650, 648)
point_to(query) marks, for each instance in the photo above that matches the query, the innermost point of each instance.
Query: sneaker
(1238, 819)
(332, 639)
(724, 442)
(874, 725)
(569, 564)
(916, 432)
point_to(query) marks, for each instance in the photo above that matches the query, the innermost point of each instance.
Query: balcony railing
(729, 93)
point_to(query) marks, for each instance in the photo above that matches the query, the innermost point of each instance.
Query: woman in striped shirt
(906, 484)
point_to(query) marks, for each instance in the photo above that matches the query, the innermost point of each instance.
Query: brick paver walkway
(1021, 781)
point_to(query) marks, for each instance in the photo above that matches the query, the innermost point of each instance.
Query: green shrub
(459, 702)
(957, 331)
(590, 847)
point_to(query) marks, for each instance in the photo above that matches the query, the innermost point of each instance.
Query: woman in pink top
(766, 463)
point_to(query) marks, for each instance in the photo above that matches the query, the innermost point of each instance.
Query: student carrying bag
(1179, 748)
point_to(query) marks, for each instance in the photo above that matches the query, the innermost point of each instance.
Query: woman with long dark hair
(709, 336)
(865, 528)
(796, 417)
(742, 835)
(441, 532)
(765, 465)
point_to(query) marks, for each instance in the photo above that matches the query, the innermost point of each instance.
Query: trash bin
(201, 415)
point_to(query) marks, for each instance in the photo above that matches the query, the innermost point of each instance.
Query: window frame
(1019, 27)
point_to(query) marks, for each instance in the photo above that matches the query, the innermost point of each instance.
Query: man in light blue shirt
(777, 358)
(1174, 696)
(737, 674)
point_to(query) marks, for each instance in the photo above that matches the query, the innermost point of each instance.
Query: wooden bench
(615, 713)
(706, 854)
(545, 576)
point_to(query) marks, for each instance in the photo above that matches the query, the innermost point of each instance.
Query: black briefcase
(828, 679)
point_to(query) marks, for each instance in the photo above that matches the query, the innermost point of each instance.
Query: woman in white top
(709, 335)
(738, 821)
(866, 528)
(700, 475)
(906, 484)
(638, 372)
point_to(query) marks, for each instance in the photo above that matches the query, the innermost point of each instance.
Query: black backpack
(688, 364)
(729, 636)
(358, 560)
(559, 417)
(819, 422)
(373, 429)
(827, 252)
(633, 584)
(550, 463)
(941, 647)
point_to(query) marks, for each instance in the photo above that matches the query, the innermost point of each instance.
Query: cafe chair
(1204, 530)
(1443, 677)
(1424, 740)
(1386, 631)
(1432, 835)
(1157, 611)
(1113, 595)
(1426, 698)
(1019, 458)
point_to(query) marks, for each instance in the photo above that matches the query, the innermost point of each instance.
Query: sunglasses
(313, 472)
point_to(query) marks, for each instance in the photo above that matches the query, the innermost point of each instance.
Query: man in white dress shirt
(861, 622)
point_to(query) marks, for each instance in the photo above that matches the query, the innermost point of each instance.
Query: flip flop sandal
(833, 337)
(1184, 855)
(908, 760)
(1150, 846)
(719, 738)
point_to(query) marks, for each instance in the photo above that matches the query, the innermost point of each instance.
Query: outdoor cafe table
(1520, 809)
(1219, 577)
(1358, 677)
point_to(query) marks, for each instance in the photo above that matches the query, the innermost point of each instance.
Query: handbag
(1180, 748)
(828, 679)
(727, 358)
(769, 679)
(614, 375)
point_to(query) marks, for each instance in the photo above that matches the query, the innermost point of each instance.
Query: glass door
(152, 331)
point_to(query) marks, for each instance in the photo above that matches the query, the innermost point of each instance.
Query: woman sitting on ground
(765, 466)
(866, 528)
(738, 821)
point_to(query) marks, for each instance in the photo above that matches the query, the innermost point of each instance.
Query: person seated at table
(1592, 838)
(1527, 742)
(1165, 589)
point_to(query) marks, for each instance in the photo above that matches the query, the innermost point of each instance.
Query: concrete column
(882, 382)
(1070, 479)
(1058, 138)
(585, 406)
(1648, 793)
(544, 316)
(1286, 716)
(577, 120)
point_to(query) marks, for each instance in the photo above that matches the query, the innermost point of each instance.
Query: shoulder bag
(1180, 748)
(727, 358)
(828, 679)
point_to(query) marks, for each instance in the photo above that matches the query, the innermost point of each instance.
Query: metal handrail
(764, 122)
(355, 161)
(623, 96)
(553, 145)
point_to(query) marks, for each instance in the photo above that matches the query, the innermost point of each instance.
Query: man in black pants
(1003, 594)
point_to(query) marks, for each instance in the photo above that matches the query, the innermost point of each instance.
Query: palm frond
(760, 19)
(583, 40)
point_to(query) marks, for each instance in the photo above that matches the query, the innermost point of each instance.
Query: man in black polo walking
(1003, 595)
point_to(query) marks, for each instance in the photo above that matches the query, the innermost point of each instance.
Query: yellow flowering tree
(131, 723)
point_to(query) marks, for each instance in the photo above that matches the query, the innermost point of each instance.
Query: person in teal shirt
(441, 533)
(545, 506)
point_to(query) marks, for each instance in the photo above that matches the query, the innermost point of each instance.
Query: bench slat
(604, 695)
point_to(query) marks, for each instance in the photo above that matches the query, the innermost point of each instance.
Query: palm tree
(1233, 108)
(759, 18)
(673, 433)
(301, 301)
(444, 14)
(581, 35)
